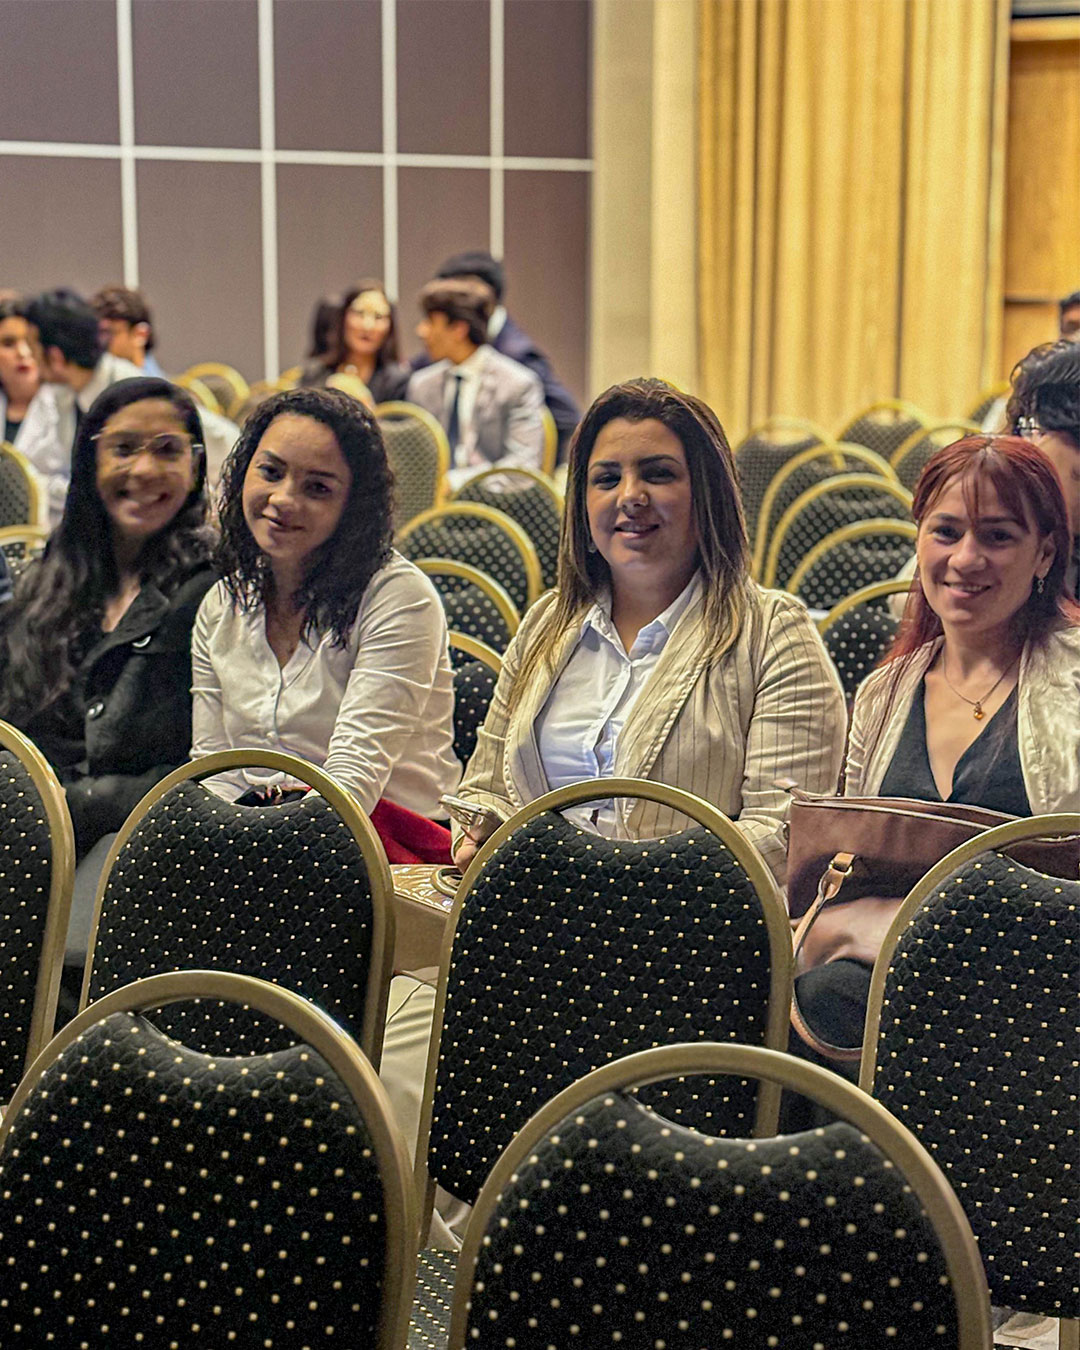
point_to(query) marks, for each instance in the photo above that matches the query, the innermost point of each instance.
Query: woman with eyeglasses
(95, 646)
(362, 343)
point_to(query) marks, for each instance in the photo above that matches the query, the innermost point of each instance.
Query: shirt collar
(662, 627)
(497, 322)
(472, 365)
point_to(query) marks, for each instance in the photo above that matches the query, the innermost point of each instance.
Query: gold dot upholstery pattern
(15, 506)
(757, 462)
(414, 458)
(572, 950)
(279, 892)
(858, 640)
(470, 611)
(477, 542)
(852, 564)
(474, 685)
(978, 1056)
(625, 1229)
(25, 879)
(884, 430)
(151, 1195)
(434, 1298)
(822, 515)
(533, 509)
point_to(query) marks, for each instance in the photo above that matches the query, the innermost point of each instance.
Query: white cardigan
(1047, 723)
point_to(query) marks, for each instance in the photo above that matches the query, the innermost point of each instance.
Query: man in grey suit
(488, 404)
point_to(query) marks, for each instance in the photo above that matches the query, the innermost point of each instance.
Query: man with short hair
(1069, 317)
(509, 339)
(127, 326)
(488, 404)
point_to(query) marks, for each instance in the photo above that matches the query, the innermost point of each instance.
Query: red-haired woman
(977, 700)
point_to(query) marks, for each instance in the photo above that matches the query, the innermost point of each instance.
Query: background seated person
(95, 647)
(977, 700)
(320, 640)
(488, 404)
(657, 656)
(361, 340)
(127, 328)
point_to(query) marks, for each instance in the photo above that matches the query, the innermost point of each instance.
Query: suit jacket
(513, 342)
(772, 707)
(505, 427)
(1047, 730)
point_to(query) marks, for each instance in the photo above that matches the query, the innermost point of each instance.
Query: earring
(1040, 584)
(590, 546)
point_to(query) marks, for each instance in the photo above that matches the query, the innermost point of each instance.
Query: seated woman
(362, 342)
(657, 656)
(28, 409)
(977, 700)
(320, 640)
(95, 647)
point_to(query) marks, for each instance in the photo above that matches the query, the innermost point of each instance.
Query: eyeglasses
(371, 315)
(169, 445)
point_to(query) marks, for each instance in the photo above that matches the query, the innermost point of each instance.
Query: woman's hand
(465, 852)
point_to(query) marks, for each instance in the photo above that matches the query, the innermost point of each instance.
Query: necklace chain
(976, 703)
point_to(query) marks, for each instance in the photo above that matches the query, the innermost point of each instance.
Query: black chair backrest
(829, 511)
(850, 566)
(573, 949)
(470, 611)
(531, 506)
(976, 1053)
(473, 540)
(280, 892)
(16, 491)
(474, 685)
(858, 640)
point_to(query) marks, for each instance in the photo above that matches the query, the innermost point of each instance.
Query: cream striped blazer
(771, 708)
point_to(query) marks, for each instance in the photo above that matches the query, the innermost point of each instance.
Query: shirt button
(96, 709)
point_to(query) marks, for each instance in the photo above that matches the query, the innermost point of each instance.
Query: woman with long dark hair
(362, 341)
(657, 656)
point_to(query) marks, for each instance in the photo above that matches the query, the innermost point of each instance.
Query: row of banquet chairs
(206, 1149)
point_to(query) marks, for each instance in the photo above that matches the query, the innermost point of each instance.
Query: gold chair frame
(889, 486)
(1031, 827)
(835, 452)
(380, 966)
(779, 1071)
(232, 377)
(518, 537)
(515, 470)
(316, 1029)
(899, 405)
(780, 423)
(961, 425)
(860, 597)
(490, 587)
(778, 926)
(905, 529)
(61, 885)
(201, 393)
(480, 651)
(399, 408)
(289, 379)
(551, 440)
(35, 497)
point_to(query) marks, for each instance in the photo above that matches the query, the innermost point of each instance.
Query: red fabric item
(410, 838)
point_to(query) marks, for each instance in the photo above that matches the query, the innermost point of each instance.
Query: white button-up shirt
(578, 729)
(376, 714)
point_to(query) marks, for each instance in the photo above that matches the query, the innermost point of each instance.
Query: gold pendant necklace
(976, 703)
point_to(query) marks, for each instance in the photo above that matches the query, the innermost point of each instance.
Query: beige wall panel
(1042, 231)
(61, 223)
(547, 218)
(1026, 326)
(201, 264)
(328, 74)
(196, 72)
(443, 54)
(59, 64)
(323, 251)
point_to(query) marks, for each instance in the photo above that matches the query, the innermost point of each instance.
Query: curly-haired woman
(320, 640)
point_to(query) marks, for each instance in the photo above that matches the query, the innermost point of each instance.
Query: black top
(11, 429)
(987, 774)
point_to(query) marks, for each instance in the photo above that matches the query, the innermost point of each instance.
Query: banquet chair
(37, 872)
(565, 949)
(419, 456)
(476, 670)
(825, 507)
(481, 537)
(884, 426)
(153, 1194)
(550, 453)
(225, 382)
(297, 893)
(21, 543)
(21, 499)
(475, 604)
(857, 631)
(986, 400)
(803, 471)
(530, 499)
(851, 558)
(909, 459)
(760, 455)
(201, 392)
(971, 1042)
(605, 1223)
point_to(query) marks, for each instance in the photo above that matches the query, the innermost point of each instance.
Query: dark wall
(202, 177)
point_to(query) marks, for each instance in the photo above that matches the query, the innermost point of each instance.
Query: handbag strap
(832, 879)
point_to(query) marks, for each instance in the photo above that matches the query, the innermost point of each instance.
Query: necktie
(453, 427)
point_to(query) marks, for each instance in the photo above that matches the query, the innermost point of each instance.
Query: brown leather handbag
(852, 860)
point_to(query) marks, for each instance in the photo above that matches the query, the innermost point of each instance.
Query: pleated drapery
(851, 179)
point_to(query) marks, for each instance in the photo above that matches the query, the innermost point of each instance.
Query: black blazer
(126, 721)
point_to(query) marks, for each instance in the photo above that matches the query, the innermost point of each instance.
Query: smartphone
(477, 821)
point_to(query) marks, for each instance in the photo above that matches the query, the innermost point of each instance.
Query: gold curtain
(851, 157)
